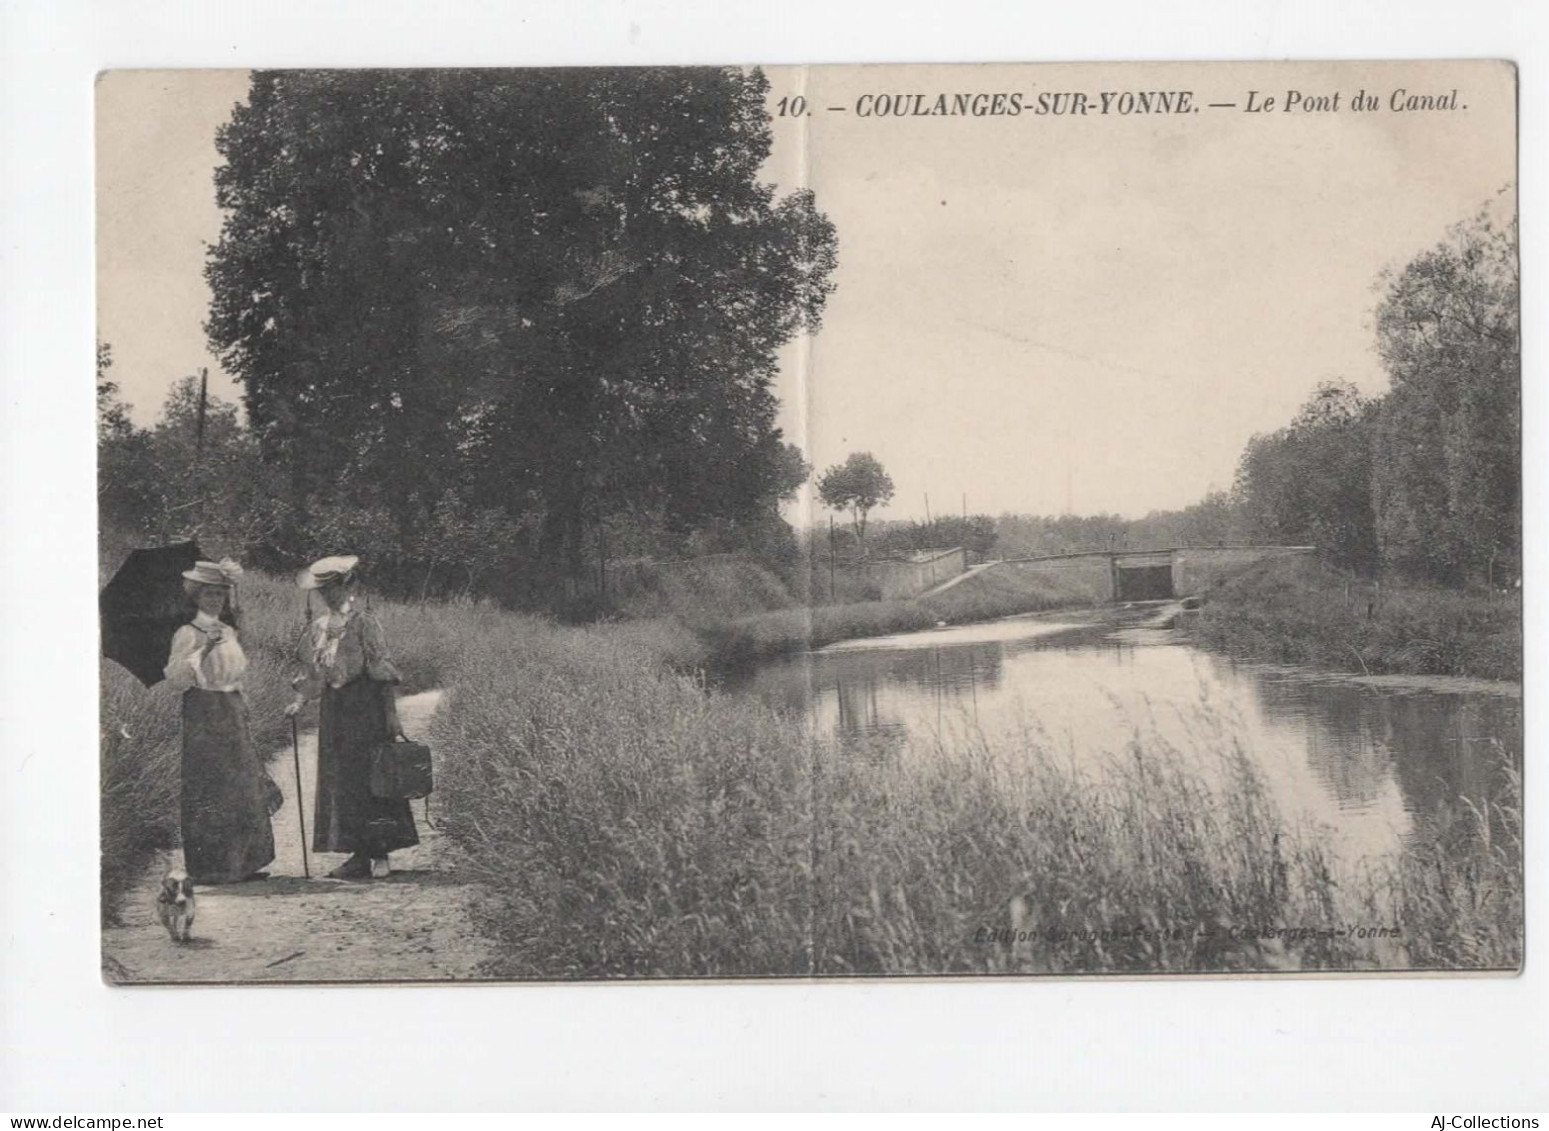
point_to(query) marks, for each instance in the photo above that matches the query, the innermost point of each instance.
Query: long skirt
(228, 797)
(355, 719)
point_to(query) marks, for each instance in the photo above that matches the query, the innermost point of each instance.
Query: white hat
(223, 572)
(325, 570)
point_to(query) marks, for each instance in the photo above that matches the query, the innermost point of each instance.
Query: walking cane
(301, 817)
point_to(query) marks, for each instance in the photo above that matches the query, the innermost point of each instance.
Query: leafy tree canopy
(1447, 477)
(1310, 482)
(858, 485)
(552, 291)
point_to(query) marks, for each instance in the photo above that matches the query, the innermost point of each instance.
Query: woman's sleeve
(182, 670)
(308, 681)
(379, 662)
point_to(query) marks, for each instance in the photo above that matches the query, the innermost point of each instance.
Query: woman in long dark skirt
(228, 797)
(347, 665)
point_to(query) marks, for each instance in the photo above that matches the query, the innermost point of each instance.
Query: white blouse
(210, 668)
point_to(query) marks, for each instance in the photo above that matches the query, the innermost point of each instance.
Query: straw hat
(325, 570)
(224, 572)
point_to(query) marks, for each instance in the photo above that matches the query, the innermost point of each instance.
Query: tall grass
(629, 822)
(1301, 611)
(975, 862)
(1461, 879)
(140, 780)
(626, 822)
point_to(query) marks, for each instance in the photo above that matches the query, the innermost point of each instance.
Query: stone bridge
(1149, 575)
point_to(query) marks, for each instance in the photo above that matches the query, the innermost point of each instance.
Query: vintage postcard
(792, 522)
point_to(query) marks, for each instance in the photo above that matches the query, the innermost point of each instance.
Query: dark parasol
(142, 607)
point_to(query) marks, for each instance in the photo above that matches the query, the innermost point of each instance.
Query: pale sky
(1028, 309)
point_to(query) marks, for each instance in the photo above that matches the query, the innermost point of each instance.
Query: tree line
(1425, 480)
(1422, 482)
(495, 329)
(491, 326)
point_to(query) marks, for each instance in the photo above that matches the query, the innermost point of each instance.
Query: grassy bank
(984, 596)
(740, 612)
(695, 591)
(1301, 612)
(140, 743)
(627, 823)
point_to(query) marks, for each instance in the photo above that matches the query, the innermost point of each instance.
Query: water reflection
(1351, 763)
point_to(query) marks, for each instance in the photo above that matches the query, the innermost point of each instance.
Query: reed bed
(631, 822)
(626, 819)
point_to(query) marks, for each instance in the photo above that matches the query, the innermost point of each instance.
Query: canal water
(1355, 763)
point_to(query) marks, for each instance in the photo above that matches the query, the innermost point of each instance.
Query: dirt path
(412, 926)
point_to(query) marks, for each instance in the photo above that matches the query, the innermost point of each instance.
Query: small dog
(175, 904)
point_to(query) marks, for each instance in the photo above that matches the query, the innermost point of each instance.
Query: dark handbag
(400, 770)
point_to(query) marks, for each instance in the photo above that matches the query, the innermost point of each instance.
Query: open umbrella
(142, 607)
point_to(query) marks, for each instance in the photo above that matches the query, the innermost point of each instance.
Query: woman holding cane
(347, 665)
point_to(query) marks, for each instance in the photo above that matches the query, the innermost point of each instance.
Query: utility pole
(204, 384)
(830, 559)
(965, 528)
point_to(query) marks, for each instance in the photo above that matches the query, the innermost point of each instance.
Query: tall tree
(1311, 482)
(858, 485)
(557, 292)
(1448, 477)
